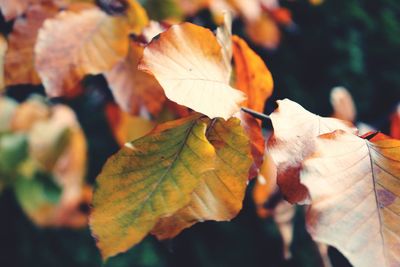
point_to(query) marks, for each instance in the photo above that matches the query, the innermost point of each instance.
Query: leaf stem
(256, 114)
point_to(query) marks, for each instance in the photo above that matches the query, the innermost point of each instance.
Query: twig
(256, 114)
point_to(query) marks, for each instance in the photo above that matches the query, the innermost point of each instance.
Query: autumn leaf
(78, 42)
(19, 61)
(343, 104)
(29, 113)
(126, 127)
(187, 61)
(8, 107)
(354, 186)
(224, 37)
(220, 194)
(14, 8)
(3, 50)
(149, 178)
(132, 88)
(264, 32)
(395, 123)
(293, 140)
(252, 76)
(257, 143)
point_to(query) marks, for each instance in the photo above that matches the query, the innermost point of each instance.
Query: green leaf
(13, 151)
(150, 178)
(220, 193)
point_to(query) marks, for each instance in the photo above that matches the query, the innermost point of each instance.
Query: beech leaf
(19, 61)
(252, 76)
(132, 88)
(149, 178)
(354, 185)
(78, 42)
(293, 140)
(220, 194)
(188, 62)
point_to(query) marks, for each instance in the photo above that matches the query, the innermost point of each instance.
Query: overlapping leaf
(252, 76)
(295, 131)
(354, 185)
(187, 61)
(150, 178)
(132, 88)
(80, 41)
(220, 194)
(19, 61)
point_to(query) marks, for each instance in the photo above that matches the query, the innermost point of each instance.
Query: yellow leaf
(19, 61)
(354, 185)
(187, 61)
(220, 194)
(252, 76)
(137, 17)
(293, 140)
(132, 88)
(78, 42)
(150, 178)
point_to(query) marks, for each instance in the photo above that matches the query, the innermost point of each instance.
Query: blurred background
(310, 48)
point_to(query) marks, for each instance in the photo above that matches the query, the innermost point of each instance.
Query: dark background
(353, 43)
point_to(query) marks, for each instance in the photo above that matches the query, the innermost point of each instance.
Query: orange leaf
(19, 61)
(395, 124)
(132, 88)
(354, 185)
(295, 132)
(264, 32)
(252, 76)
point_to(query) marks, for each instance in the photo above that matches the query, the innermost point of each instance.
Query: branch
(256, 114)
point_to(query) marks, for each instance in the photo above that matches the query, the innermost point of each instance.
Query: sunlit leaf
(354, 186)
(76, 43)
(220, 194)
(187, 61)
(293, 140)
(150, 178)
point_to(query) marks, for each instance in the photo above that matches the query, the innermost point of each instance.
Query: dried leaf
(187, 61)
(19, 61)
(295, 131)
(28, 113)
(220, 194)
(3, 50)
(252, 76)
(132, 88)
(76, 43)
(150, 178)
(354, 185)
(395, 123)
(343, 104)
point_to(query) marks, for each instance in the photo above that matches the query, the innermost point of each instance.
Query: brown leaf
(354, 185)
(295, 132)
(28, 113)
(19, 61)
(78, 42)
(264, 32)
(395, 123)
(3, 50)
(132, 88)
